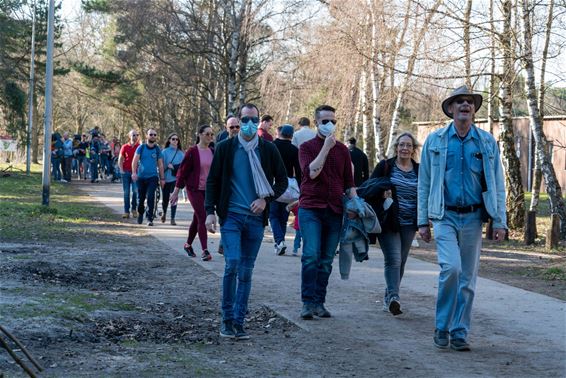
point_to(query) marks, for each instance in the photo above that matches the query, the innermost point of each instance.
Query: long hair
(200, 131)
(169, 141)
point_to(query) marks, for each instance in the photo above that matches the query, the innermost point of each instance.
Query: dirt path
(131, 304)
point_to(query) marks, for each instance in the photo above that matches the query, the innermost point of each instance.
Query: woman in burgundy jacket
(192, 174)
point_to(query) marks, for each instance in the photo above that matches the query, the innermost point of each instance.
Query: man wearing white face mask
(327, 175)
(246, 174)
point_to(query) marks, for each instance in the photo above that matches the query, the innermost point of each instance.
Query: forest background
(173, 65)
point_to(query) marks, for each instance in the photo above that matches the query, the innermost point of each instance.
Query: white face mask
(326, 129)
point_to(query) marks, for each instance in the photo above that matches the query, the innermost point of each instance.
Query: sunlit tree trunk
(467, 54)
(515, 193)
(552, 185)
(376, 112)
(537, 172)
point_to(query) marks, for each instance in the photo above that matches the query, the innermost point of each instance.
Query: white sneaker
(280, 248)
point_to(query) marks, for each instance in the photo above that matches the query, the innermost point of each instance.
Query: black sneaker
(307, 312)
(206, 256)
(441, 339)
(227, 329)
(241, 333)
(220, 250)
(459, 345)
(140, 218)
(320, 311)
(150, 223)
(189, 249)
(395, 307)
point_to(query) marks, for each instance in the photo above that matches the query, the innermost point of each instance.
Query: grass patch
(24, 218)
(72, 306)
(555, 273)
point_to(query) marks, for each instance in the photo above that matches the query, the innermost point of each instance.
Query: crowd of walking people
(246, 178)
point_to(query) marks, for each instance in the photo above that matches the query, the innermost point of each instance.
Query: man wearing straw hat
(460, 186)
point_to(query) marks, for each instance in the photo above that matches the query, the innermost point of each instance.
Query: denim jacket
(431, 178)
(354, 238)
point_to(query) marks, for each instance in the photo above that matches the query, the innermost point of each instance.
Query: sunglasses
(135, 134)
(234, 127)
(174, 138)
(152, 134)
(323, 121)
(246, 119)
(460, 101)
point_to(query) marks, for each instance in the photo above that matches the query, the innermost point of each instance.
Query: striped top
(406, 187)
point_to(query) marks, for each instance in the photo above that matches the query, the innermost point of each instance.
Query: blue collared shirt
(464, 169)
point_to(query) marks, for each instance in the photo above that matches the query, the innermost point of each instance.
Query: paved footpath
(514, 332)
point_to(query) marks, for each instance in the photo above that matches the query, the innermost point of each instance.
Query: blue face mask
(249, 129)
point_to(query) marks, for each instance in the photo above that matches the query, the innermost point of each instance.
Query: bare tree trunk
(537, 174)
(515, 193)
(395, 120)
(491, 90)
(552, 185)
(376, 111)
(234, 50)
(359, 106)
(35, 132)
(363, 98)
(467, 54)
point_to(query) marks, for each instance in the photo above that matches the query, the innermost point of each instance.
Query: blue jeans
(297, 241)
(278, 217)
(93, 167)
(321, 233)
(147, 188)
(56, 168)
(395, 247)
(127, 183)
(242, 236)
(458, 244)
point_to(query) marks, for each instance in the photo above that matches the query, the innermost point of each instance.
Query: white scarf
(262, 187)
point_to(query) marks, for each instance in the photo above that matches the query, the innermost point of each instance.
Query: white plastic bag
(292, 193)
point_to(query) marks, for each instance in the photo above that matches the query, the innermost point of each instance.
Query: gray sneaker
(227, 329)
(240, 332)
(320, 311)
(307, 311)
(441, 339)
(459, 345)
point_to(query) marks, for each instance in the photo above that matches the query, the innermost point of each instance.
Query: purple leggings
(199, 217)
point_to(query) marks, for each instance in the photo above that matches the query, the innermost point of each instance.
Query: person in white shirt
(304, 133)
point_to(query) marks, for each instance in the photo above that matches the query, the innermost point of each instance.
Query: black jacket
(361, 165)
(219, 181)
(290, 155)
(391, 219)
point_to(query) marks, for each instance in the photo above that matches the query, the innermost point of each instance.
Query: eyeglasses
(246, 119)
(209, 134)
(323, 121)
(152, 134)
(405, 145)
(461, 100)
(234, 127)
(174, 138)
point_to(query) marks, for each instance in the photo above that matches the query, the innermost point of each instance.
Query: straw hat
(461, 91)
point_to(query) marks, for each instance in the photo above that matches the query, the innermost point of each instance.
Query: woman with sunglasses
(192, 175)
(172, 158)
(397, 213)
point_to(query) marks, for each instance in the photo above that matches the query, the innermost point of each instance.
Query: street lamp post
(48, 104)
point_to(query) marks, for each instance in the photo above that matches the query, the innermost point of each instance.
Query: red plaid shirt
(327, 189)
